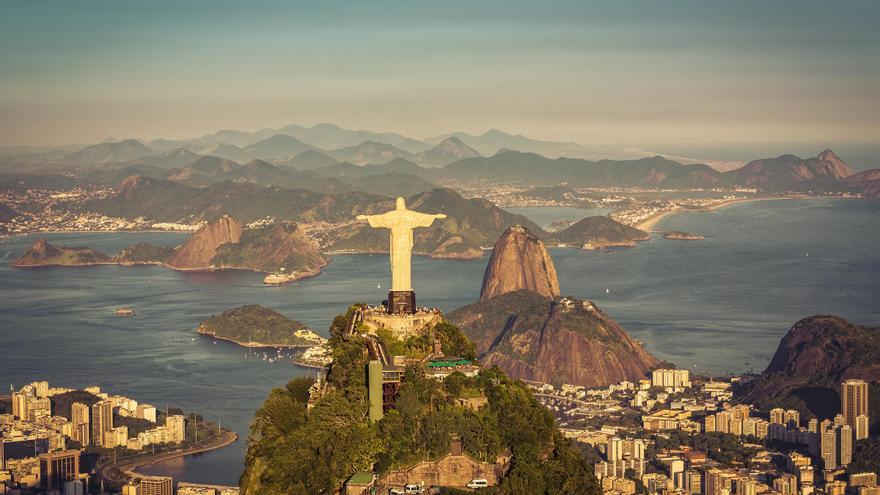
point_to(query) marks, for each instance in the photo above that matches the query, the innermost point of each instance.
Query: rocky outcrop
(519, 261)
(831, 165)
(814, 357)
(278, 249)
(868, 182)
(533, 337)
(199, 250)
(42, 253)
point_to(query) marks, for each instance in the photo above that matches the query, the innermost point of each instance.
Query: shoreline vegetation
(255, 326)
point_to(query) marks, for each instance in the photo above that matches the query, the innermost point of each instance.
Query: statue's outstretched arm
(377, 221)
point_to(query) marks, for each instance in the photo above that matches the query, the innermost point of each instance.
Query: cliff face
(199, 250)
(519, 261)
(532, 337)
(814, 357)
(280, 248)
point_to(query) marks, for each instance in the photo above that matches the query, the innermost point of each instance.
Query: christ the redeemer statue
(401, 221)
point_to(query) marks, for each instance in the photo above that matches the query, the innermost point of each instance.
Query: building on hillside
(455, 469)
(360, 483)
(671, 379)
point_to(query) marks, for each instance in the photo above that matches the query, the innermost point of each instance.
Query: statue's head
(401, 204)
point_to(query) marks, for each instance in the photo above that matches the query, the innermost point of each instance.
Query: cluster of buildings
(41, 445)
(636, 428)
(165, 485)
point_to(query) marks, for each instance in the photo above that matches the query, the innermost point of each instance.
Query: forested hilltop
(294, 449)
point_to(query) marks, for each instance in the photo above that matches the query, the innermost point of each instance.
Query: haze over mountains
(328, 159)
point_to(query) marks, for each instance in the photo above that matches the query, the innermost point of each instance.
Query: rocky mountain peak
(834, 165)
(200, 249)
(519, 261)
(42, 249)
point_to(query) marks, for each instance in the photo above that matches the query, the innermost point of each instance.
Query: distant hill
(786, 170)
(351, 171)
(599, 232)
(534, 169)
(369, 152)
(494, 140)
(562, 340)
(203, 171)
(309, 160)
(447, 151)
(330, 136)
(168, 201)
(258, 326)
(815, 356)
(825, 172)
(120, 151)
(277, 146)
(175, 158)
(867, 181)
(391, 184)
(228, 151)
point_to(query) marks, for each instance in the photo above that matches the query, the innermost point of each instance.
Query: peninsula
(221, 244)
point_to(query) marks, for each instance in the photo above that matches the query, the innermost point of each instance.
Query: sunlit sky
(666, 75)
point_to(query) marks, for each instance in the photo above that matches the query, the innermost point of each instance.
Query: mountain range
(493, 157)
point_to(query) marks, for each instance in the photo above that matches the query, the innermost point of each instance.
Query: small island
(598, 232)
(42, 253)
(677, 235)
(254, 325)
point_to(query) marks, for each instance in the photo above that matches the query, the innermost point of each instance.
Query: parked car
(478, 483)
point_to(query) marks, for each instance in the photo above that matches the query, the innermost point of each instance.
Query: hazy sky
(644, 74)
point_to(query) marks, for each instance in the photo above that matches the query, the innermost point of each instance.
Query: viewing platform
(402, 325)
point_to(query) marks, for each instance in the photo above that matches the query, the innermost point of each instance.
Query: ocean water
(545, 216)
(717, 305)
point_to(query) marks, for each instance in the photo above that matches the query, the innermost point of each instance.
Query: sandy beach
(649, 224)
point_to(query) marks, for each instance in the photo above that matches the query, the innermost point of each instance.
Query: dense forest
(296, 450)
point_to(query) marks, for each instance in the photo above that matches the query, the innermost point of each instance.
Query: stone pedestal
(401, 301)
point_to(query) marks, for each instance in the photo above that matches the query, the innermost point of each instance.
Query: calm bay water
(717, 305)
(545, 216)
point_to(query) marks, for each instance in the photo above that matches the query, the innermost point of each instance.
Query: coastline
(648, 224)
(128, 468)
